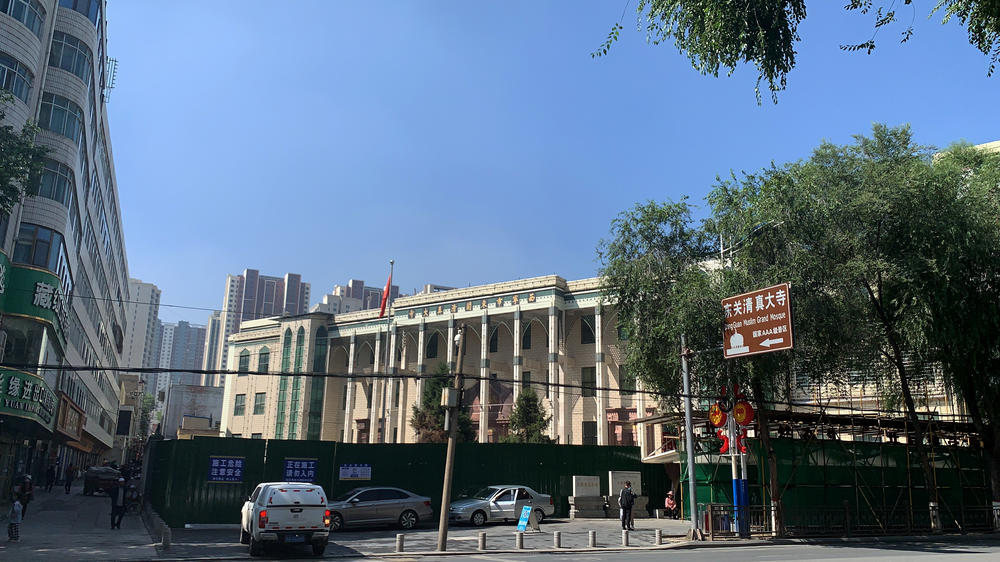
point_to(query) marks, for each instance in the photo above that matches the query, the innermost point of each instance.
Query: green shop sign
(27, 396)
(33, 292)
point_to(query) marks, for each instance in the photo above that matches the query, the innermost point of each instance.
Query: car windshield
(485, 493)
(347, 496)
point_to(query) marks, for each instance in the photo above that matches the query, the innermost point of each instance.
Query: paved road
(499, 536)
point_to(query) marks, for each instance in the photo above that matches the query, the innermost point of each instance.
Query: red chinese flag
(385, 296)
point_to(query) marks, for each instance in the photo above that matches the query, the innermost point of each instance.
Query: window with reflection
(72, 55)
(28, 12)
(61, 116)
(15, 77)
(38, 246)
(89, 8)
(57, 182)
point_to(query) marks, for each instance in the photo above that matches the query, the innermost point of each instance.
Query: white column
(602, 380)
(392, 411)
(484, 381)
(640, 411)
(421, 367)
(351, 383)
(373, 416)
(553, 391)
(517, 353)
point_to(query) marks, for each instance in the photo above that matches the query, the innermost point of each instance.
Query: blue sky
(473, 142)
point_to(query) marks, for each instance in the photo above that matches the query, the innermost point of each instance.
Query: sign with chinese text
(757, 322)
(300, 470)
(71, 418)
(27, 396)
(225, 469)
(355, 472)
(33, 292)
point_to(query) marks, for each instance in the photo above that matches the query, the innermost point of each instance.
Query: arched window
(319, 351)
(264, 360)
(286, 351)
(300, 343)
(244, 367)
(432, 346)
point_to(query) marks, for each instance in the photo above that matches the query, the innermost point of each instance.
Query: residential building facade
(181, 351)
(63, 270)
(249, 296)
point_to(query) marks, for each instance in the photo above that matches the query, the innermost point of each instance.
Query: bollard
(519, 540)
(166, 537)
(624, 537)
(592, 539)
(658, 538)
(556, 539)
(399, 542)
(482, 540)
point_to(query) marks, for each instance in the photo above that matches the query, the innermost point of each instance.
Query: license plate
(295, 538)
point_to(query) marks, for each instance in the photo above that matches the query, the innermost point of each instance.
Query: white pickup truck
(285, 513)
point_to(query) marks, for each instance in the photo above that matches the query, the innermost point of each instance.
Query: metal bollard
(482, 540)
(519, 540)
(624, 537)
(166, 537)
(592, 539)
(399, 542)
(556, 539)
(659, 537)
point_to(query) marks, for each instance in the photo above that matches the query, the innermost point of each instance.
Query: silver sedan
(500, 502)
(379, 506)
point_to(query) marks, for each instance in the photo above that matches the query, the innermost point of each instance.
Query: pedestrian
(50, 478)
(25, 492)
(626, 499)
(14, 518)
(117, 495)
(70, 475)
(671, 505)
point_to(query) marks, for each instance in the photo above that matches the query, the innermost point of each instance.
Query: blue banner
(522, 523)
(300, 470)
(225, 469)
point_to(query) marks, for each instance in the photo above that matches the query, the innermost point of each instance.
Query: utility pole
(452, 401)
(693, 534)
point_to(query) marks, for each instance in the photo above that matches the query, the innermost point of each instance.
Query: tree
(428, 416)
(528, 421)
(764, 33)
(21, 160)
(146, 409)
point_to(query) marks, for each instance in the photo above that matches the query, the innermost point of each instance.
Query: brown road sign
(757, 322)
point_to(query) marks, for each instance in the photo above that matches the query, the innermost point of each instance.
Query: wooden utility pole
(453, 402)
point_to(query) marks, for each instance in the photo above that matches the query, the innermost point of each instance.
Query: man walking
(626, 499)
(50, 477)
(117, 495)
(70, 475)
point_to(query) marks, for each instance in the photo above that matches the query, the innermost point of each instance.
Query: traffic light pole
(689, 437)
(451, 418)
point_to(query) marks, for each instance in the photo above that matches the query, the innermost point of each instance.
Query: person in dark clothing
(24, 491)
(117, 495)
(626, 499)
(50, 478)
(70, 475)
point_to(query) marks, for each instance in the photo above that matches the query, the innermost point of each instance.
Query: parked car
(379, 506)
(285, 513)
(100, 478)
(500, 502)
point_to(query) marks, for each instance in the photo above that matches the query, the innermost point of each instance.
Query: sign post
(756, 322)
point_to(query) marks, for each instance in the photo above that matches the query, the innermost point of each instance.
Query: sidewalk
(76, 527)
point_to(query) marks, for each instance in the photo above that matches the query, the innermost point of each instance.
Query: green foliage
(528, 421)
(146, 409)
(717, 34)
(21, 160)
(428, 417)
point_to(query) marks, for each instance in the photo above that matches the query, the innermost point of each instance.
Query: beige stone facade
(543, 332)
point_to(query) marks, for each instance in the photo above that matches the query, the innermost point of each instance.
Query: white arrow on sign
(769, 342)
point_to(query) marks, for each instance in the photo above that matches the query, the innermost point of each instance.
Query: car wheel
(478, 519)
(256, 547)
(336, 522)
(244, 537)
(539, 515)
(318, 548)
(408, 519)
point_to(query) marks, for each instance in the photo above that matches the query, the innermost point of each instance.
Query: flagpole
(387, 384)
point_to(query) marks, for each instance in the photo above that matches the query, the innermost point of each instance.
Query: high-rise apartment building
(353, 297)
(182, 346)
(62, 263)
(213, 332)
(250, 296)
(142, 313)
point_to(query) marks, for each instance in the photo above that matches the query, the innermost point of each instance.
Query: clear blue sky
(472, 142)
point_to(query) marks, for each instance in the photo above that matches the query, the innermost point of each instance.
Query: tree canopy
(21, 160)
(428, 416)
(528, 421)
(721, 35)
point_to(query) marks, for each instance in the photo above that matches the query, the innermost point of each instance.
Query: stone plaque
(586, 486)
(617, 478)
